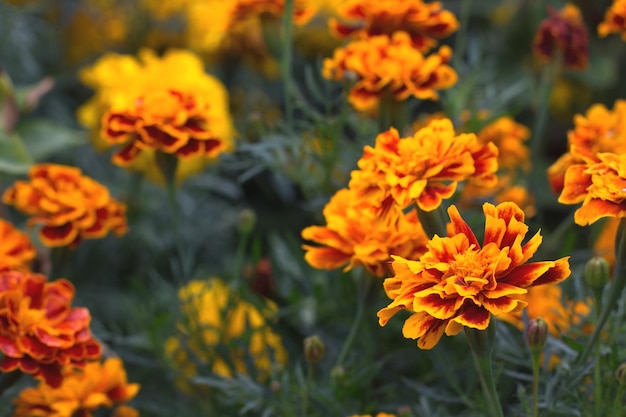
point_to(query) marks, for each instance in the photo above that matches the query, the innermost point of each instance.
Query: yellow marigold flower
(460, 283)
(614, 20)
(216, 317)
(67, 205)
(389, 65)
(424, 168)
(424, 22)
(83, 391)
(16, 249)
(353, 236)
(563, 31)
(158, 104)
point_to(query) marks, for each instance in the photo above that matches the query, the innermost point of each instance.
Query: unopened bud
(536, 333)
(247, 220)
(620, 374)
(337, 373)
(314, 349)
(597, 272)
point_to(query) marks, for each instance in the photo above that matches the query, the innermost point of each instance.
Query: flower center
(28, 318)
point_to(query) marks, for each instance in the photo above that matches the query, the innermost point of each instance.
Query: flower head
(424, 168)
(218, 321)
(83, 391)
(460, 283)
(563, 32)
(509, 137)
(352, 236)
(244, 9)
(157, 104)
(39, 330)
(389, 65)
(424, 22)
(67, 205)
(16, 249)
(614, 20)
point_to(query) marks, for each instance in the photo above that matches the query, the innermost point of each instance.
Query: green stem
(616, 410)
(286, 59)
(433, 222)
(391, 112)
(362, 287)
(307, 389)
(615, 292)
(59, 257)
(536, 355)
(461, 36)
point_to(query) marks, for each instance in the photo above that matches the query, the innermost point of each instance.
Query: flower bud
(314, 349)
(596, 272)
(247, 220)
(536, 334)
(620, 374)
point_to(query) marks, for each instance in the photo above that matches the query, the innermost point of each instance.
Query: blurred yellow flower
(157, 104)
(614, 20)
(224, 332)
(377, 415)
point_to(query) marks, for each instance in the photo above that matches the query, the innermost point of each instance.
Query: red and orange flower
(83, 391)
(424, 22)
(353, 236)
(389, 65)
(16, 249)
(67, 205)
(245, 9)
(614, 20)
(424, 168)
(460, 283)
(40, 332)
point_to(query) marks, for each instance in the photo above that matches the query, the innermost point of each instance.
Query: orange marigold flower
(566, 32)
(377, 415)
(16, 249)
(604, 245)
(459, 282)
(353, 236)
(384, 64)
(39, 330)
(424, 168)
(509, 137)
(67, 205)
(424, 22)
(244, 9)
(83, 391)
(614, 20)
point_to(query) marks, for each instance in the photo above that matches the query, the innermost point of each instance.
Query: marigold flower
(604, 245)
(217, 317)
(39, 330)
(424, 22)
(614, 20)
(424, 168)
(509, 137)
(157, 104)
(563, 31)
(352, 236)
(460, 283)
(244, 9)
(69, 206)
(377, 415)
(16, 249)
(83, 391)
(389, 65)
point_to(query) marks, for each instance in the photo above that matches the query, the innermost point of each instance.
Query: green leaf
(14, 157)
(43, 137)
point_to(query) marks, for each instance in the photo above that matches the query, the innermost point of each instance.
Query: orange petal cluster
(39, 329)
(460, 283)
(67, 205)
(83, 391)
(389, 65)
(424, 168)
(16, 249)
(244, 9)
(424, 22)
(352, 236)
(564, 33)
(614, 20)
(509, 137)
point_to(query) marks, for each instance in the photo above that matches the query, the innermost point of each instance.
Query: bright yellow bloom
(83, 391)
(424, 168)
(216, 320)
(353, 236)
(460, 283)
(389, 65)
(16, 249)
(614, 20)
(424, 22)
(157, 104)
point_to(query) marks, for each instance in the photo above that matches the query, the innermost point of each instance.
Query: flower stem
(536, 356)
(391, 112)
(616, 410)
(362, 286)
(286, 59)
(307, 389)
(461, 36)
(481, 343)
(433, 221)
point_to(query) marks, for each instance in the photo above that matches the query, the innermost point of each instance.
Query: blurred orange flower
(424, 22)
(68, 205)
(614, 20)
(83, 391)
(352, 236)
(604, 245)
(244, 9)
(389, 65)
(509, 137)
(424, 168)
(16, 249)
(39, 330)
(564, 33)
(458, 282)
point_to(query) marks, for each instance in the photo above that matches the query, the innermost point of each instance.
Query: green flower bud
(536, 334)
(620, 374)
(247, 220)
(597, 272)
(314, 349)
